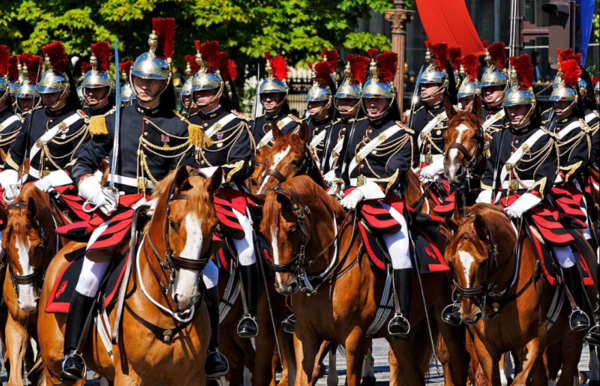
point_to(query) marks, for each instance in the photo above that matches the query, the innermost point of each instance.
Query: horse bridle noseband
(306, 167)
(472, 161)
(31, 278)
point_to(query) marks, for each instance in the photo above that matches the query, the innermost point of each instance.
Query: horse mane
(301, 188)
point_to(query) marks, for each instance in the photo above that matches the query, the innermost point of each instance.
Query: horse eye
(296, 162)
(291, 230)
(174, 225)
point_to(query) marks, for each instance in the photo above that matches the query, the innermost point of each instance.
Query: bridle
(306, 167)
(485, 290)
(171, 261)
(37, 275)
(298, 264)
(469, 171)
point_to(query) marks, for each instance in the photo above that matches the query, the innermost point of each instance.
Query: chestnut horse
(29, 242)
(162, 338)
(504, 298)
(306, 227)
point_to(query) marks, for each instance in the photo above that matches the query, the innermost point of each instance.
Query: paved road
(380, 352)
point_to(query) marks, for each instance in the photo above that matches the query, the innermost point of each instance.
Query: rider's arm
(16, 153)
(240, 161)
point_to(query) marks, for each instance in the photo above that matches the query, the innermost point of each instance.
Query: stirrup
(67, 376)
(590, 338)
(223, 359)
(399, 318)
(451, 309)
(244, 319)
(288, 324)
(578, 311)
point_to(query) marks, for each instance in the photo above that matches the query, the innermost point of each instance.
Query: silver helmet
(435, 73)
(31, 71)
(521, 90)
(323, 75)
(156, 63)
(469, 70)
(567, 83)
(98, 76)
(354, 77)
(126, 93)
(495, 73)
(208, 76)
(381, 84)
(55, 78)
(275, 82)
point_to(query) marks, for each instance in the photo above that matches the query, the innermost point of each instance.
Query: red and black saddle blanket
(120, 224)
(74, 203)
(64, 287)
(568, 201)
(226, 200)
(581, 250)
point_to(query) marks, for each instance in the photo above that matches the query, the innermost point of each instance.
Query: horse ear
(276, 132)
(480, 226)
(450, 110)
(182, 177)
(477, 107)
(304, 132)
(214, 182)
(32, 208)
(259, 198)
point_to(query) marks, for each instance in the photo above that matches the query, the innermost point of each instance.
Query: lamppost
(398, 17)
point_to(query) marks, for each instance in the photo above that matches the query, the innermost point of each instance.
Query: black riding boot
(451, 314)
(248, 328)
(399, 326)
(73, 366)
(578, 320)
(214, 366)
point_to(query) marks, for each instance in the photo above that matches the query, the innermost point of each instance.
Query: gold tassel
(97, 125)
(198, 137)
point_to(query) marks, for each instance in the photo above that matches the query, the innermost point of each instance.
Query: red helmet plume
(279, 67)
(454, 54)
(439, 53)
(523, 66)
(387, 65)
(211, 54)
(471, 65)
(13, 68)
(358, 67)
(165, 30)
(4, 59)
(497, 52)
(125, 67)
(56, 54)
(102, 52)
(191, 60)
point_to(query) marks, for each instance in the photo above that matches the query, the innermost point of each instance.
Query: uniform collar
(102, 110)
(379, 122)
(58, 112)
(435, 108)
(319, 122)
(494, 110)
(274, 117)
(211, 114)
(566, 119)
(522, 130)
(147, 111)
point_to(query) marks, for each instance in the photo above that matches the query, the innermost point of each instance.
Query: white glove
(9, 179)
(329, 177)
(430, 172)
(105, 201)
(522, 205)
(44, 185)
(485, 197)
(351, 201)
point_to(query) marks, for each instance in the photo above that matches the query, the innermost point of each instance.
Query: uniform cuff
(9, 177)
(371, 191)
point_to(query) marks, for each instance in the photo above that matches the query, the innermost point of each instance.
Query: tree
(246, 29)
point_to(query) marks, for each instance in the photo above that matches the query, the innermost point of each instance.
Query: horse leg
(489, 364)
(594, 366)
(368, 369)
(17, 341)
(394, 367)
(571, 354)
(457, 357)
(306, 347)
(538, 374)
(355, 354)
(332, 376)
(529, 356)
(409, 371)
(286, 344)
(265, 344)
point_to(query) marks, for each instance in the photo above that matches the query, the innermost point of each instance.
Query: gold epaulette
(402, 125)
(297, 120)
(197, 136)
(97, 125)
(241, 116)
(419, 109)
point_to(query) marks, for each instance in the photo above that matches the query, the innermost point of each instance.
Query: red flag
(448, 21)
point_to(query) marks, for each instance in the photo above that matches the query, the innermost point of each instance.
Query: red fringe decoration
(323, 72)
(13, 69)
(33, 64)
(372, 52)
(267, 55)
(4, 59)
(165, 29)
(57, 54)
(210, 54)
(358, 67)
(232, 68)
(197, 44)
(280, 68)
(498, 53)
(332, 58)
(387, 65)
(524, 68)
(471, 66)
(101, 51)
(85, 67)
(571, 71)
(454, 54)
(126, 67)
(228, 68)
(484, 43)
(564, 55)
(440, 54)
(191, 60)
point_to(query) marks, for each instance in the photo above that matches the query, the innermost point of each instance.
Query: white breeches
(210, 275)
(245, 246)
(398, 244)
(564, 256)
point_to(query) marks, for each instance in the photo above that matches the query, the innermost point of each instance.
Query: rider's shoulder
(241, 116)
(404, 127)
(295, 118)
(97, 123)
(419, 109)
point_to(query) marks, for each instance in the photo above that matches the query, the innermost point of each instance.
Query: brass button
(145, 133)
(52, 120)
(370, 131)
(202, 162)
(205, 124)
(517, 141)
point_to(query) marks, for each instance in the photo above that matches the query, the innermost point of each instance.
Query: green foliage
(245, 28)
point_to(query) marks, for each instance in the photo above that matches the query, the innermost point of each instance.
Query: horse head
(27, 239)
(181, 230)
(298, 223)
(464, 153)
(289, 157)
(474, 256)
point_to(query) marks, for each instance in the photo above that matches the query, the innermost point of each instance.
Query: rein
(306, 168)
(470, 169)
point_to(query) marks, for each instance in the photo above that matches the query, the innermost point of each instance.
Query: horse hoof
(368, 381)
(583, 378)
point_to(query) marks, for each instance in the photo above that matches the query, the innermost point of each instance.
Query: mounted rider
(28, 98)
(97, 84)
(494, 85)
(185, 95)
(318, 101)
(127, 94)
(347, 103)
(154, 140)
(10, 122)
(53, 136)
(273, 92)
(230, 147)
(378, 156)
(523, 165)
(15, 77)
(469, 92)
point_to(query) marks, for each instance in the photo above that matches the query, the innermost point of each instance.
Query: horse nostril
(292, 287)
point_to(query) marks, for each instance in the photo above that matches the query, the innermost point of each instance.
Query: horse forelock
(198, 199)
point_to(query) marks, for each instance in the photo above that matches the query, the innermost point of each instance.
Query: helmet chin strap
(352, 109)
(325, 107)
(5, 96)
(60, 98)
(34, 104)
(217, 96)
(278, 105)
(157, 94)
(382, 113)
(437, 92)
(100, 101)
